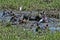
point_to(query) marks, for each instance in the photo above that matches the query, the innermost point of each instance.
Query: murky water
(52, 25)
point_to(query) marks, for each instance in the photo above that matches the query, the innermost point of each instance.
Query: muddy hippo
(13, 19)
(23, 19)
(4, 13)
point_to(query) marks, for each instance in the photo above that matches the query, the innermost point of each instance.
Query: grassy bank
(29, 4)
(18, 33)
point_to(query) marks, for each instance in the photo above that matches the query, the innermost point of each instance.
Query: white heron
(20, 8)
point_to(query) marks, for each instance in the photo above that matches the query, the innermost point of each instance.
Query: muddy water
(52, 25)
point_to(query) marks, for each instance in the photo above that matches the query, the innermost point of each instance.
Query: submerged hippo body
(13, 20)
(4, 13)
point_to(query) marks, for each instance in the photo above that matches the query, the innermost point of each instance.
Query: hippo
(4, 13)
(23, 19)
(13, 19)
(37, 18)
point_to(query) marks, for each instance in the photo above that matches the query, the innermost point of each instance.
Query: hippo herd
(19, 18)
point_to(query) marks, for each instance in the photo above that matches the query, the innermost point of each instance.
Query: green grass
(18, 33)
(29, 4)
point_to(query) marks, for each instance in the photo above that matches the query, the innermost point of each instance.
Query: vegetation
(19, 33)
(30, 4)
